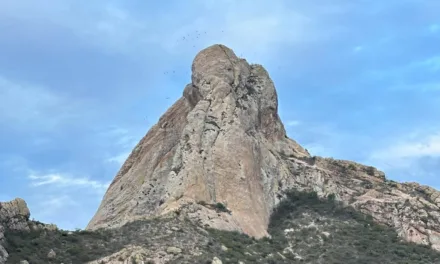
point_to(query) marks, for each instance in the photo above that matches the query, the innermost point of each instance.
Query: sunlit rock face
(223, 142)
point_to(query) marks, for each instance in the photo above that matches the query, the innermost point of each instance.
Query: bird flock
(187, 39)
(192, 38)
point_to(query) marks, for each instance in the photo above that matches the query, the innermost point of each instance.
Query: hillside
(303, 229)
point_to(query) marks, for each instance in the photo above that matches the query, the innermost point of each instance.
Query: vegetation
(221, 208)
(73, 247)
(322, 231)
(83, 246)
(303, 229)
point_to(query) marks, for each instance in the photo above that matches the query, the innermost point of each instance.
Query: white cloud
(407, 151)
(430, 146)
(61, 180)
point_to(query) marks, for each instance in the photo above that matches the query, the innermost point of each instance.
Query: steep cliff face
(223, 142)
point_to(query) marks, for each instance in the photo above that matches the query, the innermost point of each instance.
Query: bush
(221, 207)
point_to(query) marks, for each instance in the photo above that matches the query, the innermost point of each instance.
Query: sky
(81, 82)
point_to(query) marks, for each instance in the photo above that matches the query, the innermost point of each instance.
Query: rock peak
(214, 53)
(215, 67)
(216, 145)
(224, 143)
(216, 60)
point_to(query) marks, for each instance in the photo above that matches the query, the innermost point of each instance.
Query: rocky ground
(303, 229)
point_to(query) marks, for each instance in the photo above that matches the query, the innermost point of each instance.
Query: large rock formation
(219, 143)
(14, 215)
(223, 142)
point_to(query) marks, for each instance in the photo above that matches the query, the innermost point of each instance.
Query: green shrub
(354, 237)
(221, 207)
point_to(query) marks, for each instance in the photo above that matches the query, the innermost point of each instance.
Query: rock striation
(222, 145)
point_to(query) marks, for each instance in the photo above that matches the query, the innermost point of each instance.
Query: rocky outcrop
(411, 209)
(13, 215)
(223, 145)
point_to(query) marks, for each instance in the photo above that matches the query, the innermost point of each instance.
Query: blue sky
(82, 81)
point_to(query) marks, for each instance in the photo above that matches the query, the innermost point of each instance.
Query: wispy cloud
(407, 151)
(61, 180)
